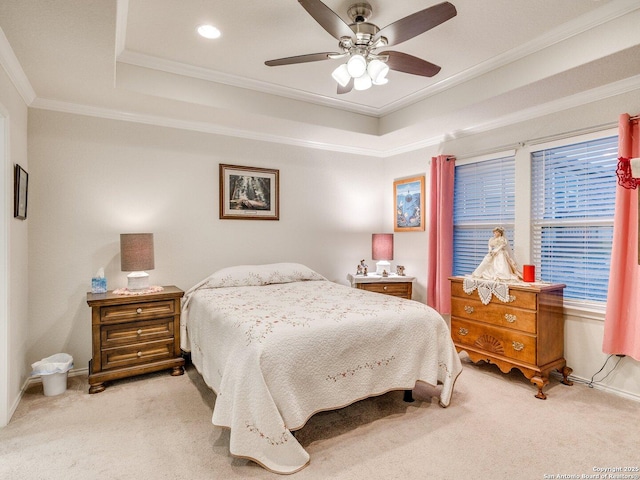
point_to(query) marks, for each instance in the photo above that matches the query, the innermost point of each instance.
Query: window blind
(572, 208)
(484, 198)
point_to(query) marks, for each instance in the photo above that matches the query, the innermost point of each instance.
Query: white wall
(13, 253)
(92, 179)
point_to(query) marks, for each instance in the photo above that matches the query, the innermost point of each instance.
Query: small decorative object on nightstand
(134, 334)
(396, 285)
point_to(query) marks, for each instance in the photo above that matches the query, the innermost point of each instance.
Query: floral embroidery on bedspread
(259, 316)
(280, 439)
(366, 366)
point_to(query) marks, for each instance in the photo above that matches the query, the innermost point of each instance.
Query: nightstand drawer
(502, 316)
(494, 340)
(137, 354)
(135, 311)
(396, 289)
(132, 333)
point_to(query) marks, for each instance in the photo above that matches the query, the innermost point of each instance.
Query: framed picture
(20, 189)
(249, 193)
(408, 203)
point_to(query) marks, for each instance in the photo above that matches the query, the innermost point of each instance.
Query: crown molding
(583, 98)
(593, 19)
(204, 127)
(169, 66)
(12, 66)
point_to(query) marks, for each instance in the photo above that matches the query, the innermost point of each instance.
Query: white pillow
(256, 275)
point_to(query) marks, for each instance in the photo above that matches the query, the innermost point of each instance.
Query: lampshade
(362, 82)
(341, 75)
(136, 255)
(377, 71)
(382, 249)
(357, 65)
(136, 252)
(382, 246)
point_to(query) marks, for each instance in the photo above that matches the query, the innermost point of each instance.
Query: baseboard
(606, 388)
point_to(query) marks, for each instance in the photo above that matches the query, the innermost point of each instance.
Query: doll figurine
(498, 264)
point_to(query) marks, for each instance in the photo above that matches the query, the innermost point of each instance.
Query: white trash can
(53, 371)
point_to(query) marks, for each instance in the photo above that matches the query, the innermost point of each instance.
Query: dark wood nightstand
(134, 334)
(396, 285)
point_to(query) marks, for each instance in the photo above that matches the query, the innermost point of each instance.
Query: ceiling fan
(361, 40)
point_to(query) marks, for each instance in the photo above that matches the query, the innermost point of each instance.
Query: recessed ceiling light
(209, 31)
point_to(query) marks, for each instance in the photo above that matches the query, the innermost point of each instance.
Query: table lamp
(382, 250)
(136, 256)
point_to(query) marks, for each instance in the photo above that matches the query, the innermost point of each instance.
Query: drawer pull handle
(139, 354)
(384, 288)
(463, 331)
(140, 331)
(511, 318)
(517, 346)
(139, 310)
(468, 309)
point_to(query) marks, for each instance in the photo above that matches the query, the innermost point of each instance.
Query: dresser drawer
(503, 315)
(133, 333)
(494, 340)
(390, 288)
(137, 354)
(134, 311)
(521, 298)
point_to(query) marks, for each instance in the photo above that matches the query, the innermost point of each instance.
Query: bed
(278, 343)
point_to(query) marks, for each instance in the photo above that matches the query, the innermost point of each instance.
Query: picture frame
(21, 190)
(408, 204)
(249, 193)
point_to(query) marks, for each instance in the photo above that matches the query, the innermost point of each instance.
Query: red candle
(529, 273)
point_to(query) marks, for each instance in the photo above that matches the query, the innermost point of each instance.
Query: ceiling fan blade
(327, 18)
(312, 57)
(417, 23)
(403, 62)
(346, 89)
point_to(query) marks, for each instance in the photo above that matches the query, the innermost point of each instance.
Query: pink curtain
(440, 233)
(622, 319)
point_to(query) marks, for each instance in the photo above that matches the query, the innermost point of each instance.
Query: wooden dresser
(396, 285)
(134, 334)
(526, 332)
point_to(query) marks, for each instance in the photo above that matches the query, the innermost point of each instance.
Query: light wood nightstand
(134, 334)
(396, 285)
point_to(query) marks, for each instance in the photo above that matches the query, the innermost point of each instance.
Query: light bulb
(209, 31)
(357, 65)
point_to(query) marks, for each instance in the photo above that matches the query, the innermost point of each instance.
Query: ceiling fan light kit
(360, 40)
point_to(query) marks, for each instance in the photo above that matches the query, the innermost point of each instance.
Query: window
(572, 208)
(484, 197)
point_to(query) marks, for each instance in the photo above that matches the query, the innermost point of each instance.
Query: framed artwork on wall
(249, 193)
(408, 203)
(20, 189)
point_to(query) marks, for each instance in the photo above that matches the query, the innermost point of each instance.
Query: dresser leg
(540, 382)
(566, 371)
(97, 388)
(175, 371)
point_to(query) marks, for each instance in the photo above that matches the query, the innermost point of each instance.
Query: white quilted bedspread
(276, 353)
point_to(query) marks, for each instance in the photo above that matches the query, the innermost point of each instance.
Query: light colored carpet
(159, 427)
